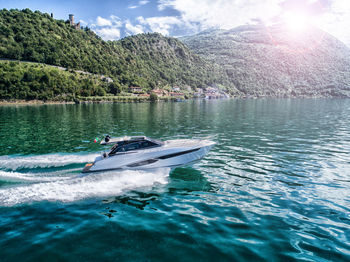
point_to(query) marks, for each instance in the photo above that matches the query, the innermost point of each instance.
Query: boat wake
(43, 161)
(10, 176)
(67, 184)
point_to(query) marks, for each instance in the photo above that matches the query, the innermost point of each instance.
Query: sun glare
(296, 22)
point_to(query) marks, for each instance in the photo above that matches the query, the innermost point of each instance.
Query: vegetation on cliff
(41, 82)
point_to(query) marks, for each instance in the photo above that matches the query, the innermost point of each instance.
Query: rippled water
(275, 187)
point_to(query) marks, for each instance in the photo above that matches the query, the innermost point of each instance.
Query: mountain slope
(147, 60)
(272, 61)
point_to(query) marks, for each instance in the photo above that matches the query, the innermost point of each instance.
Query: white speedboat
(140, 152)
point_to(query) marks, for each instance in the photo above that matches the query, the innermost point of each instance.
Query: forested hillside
(272, 61)
(41, 82)
(146, 60)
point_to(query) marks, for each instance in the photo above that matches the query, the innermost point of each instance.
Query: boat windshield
(124, 146)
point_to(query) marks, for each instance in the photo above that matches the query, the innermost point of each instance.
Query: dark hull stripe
(178, 154)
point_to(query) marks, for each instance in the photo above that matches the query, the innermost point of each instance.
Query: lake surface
(276, 187)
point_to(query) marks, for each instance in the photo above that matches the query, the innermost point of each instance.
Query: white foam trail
(35, 177)
(49, 160)
(77, 188)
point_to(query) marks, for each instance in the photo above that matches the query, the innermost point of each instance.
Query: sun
(296, 22)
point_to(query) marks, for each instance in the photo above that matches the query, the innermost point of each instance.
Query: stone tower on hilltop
(71, 21)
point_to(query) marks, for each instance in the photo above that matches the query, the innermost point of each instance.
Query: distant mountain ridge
(263, 61)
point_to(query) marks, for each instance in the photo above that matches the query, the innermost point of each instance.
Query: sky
(116, 19)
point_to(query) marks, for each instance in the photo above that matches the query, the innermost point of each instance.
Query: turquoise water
(276, 187)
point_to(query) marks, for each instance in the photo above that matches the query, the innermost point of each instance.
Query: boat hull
(172, 157)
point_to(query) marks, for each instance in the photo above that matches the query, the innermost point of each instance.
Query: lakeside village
(180, 93)
(175, 93)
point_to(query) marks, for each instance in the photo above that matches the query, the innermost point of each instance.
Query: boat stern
(87, 167)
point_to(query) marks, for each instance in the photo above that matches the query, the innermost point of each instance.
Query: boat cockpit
(132, 143)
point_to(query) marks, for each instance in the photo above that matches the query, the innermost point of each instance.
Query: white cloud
(100, 21)
(83, 23)
(108, 33)
(337, 20)
(160, 24)
(143, 2)
(226, 14)
(140, 3)
(133, 30)
(116, 21)
(223, 14)
(108, 29)
(196, 15)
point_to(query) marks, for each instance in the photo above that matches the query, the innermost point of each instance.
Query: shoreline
(82, 101)
(32, 102)
(40, 102)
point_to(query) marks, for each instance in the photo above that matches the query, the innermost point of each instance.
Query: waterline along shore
(78, 101)
(31, 102)
(113, 99)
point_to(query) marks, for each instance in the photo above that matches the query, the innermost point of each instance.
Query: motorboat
(141, 152)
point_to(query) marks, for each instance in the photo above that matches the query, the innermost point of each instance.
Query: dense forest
(146, 60)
